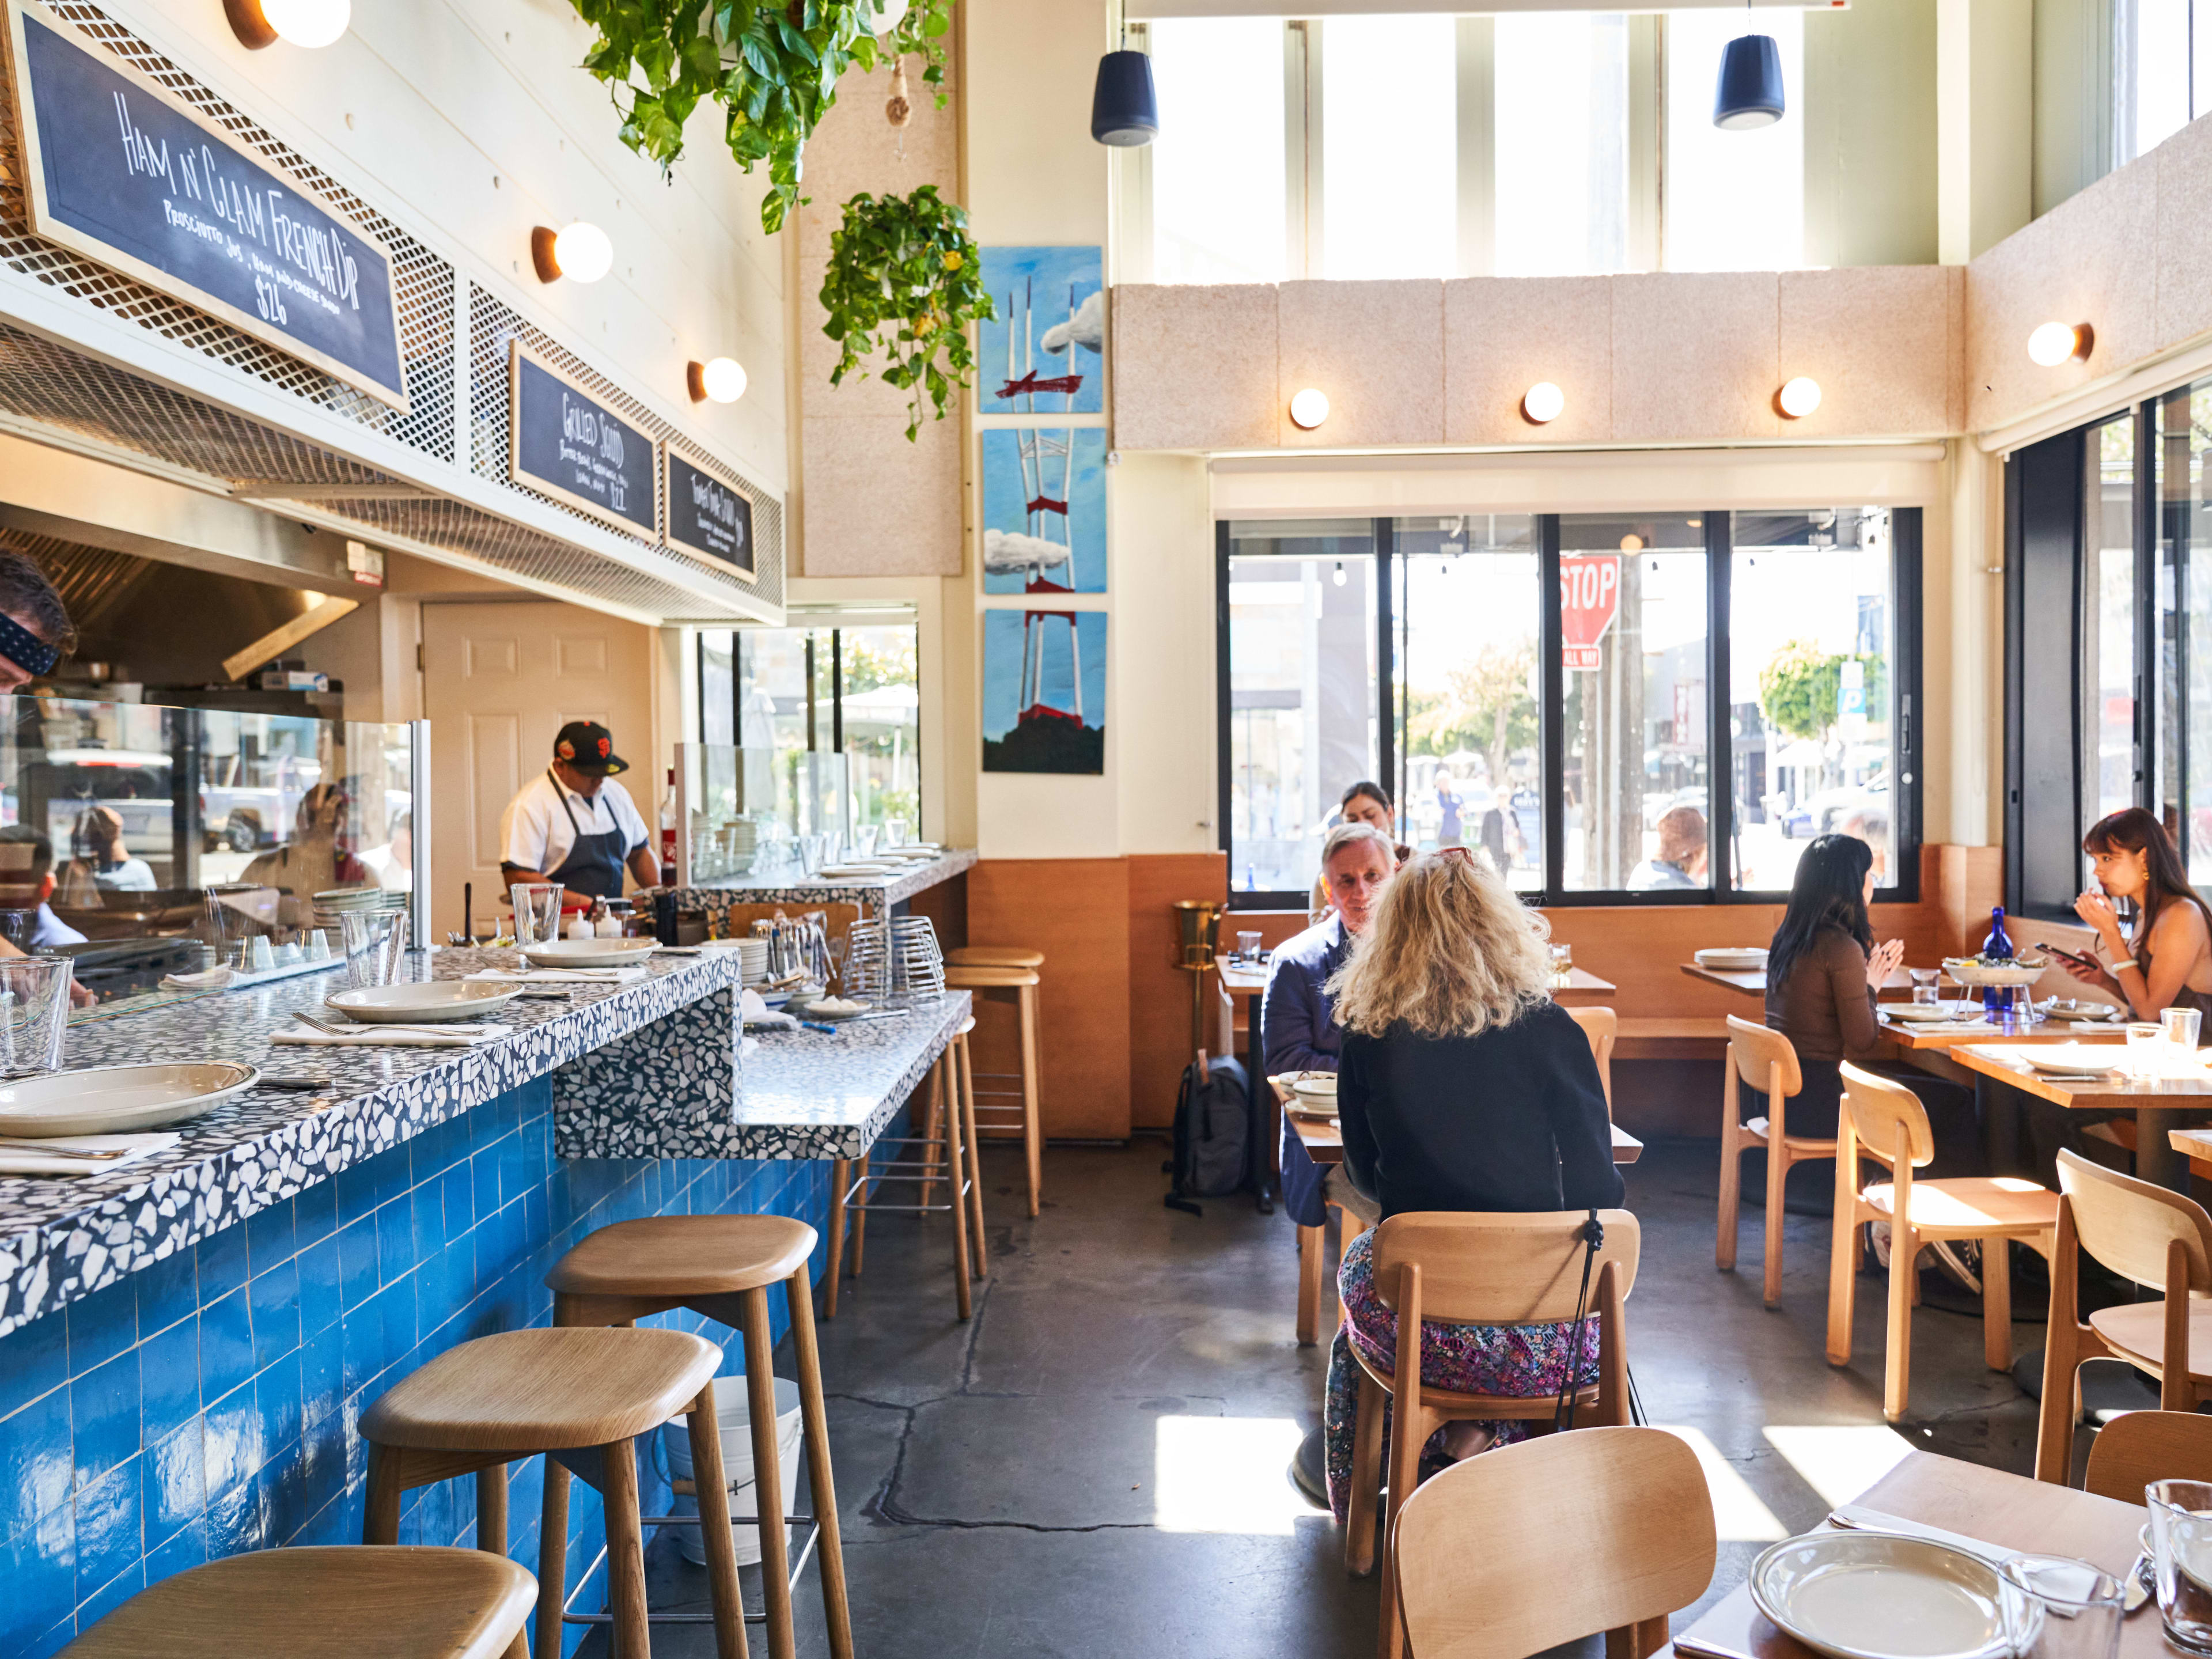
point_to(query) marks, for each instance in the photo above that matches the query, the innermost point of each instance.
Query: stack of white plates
(752, 960)
(336, 901)
(1746, 959)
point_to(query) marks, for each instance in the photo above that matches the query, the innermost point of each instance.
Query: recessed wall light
(258, 23)
(2054, 343)
(722, 378)
(1798, 398)
(1542, 403)
(1309, 408)
(581, 252)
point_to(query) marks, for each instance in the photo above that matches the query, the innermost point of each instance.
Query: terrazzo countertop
(869, 893)
(837, 1093)
(61, 1240)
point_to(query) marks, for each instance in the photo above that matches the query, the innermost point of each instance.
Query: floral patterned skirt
(1522, 1361)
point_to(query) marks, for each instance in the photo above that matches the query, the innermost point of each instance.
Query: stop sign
(1589, 593)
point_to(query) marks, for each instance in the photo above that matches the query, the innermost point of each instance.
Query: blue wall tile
(211, 1403)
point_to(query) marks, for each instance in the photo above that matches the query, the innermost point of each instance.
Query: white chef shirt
(534, 832)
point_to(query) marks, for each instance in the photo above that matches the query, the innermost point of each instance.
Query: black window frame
(1905, 691)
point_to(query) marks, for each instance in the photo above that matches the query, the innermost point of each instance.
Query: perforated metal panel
(121, 413)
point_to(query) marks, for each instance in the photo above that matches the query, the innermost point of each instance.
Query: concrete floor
(1000, 1481)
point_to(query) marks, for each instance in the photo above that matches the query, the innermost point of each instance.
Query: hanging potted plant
(904, 278)
(773, 69)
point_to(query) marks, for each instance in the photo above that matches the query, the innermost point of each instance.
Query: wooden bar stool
(947, 1144)
(582, 1397)
(1019, 982)
(325, 1603)
(1765, 1060)
(720, 1266)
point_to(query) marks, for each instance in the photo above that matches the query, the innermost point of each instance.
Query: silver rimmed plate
(422, 1003)
(589, 953)
(103, 1100)
(1748, 959)
(1879, 1595)
(2075, 1059)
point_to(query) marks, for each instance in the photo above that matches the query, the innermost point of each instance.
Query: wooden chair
(1535, 1546)
(2131, 1451)
(722, 1266)
(1602, 1027)
(582, 1397)
(1765, 1060)
(1316, 1284)
(2160, 1240)
(325, 1603)
(947, 1144)
(1005, 1119)
(1886, 1120)
(1467, 1269)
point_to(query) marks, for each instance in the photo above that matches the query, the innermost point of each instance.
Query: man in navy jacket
(1297, 1019)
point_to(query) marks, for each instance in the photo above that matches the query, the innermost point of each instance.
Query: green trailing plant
(904, 278)
(773, 70)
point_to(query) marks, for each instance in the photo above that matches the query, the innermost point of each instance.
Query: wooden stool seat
(994, 956)
(520, 1391)
(389, 1602)
(1969, 1205)
(682, 1256)
(2135, 1331)
(988, 976)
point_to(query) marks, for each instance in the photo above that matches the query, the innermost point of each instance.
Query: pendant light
(1750, 90)
(1125, 111)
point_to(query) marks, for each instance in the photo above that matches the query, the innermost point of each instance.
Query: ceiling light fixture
(2054, 343)
(1798, 398)
(1309, 408)
(1542, 403)
(722, 378)
(581, 252)
(1749, 92)
(258, 23)
(1125, 108)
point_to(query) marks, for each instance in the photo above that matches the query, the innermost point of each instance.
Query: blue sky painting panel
(1002, 667)
(1064, 333)
(1012, 551)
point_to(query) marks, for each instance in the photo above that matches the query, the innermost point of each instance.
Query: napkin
(77, 1155)
(746, 1046)
(212, 979)
(628, 976)
(394, 1036)
(757, 1012)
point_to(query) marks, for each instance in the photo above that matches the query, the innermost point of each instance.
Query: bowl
(1966, 971)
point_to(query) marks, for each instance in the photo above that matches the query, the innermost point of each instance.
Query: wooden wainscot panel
(1159, 991)
(1077, 912)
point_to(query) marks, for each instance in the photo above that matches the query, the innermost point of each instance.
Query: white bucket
(733, 1415)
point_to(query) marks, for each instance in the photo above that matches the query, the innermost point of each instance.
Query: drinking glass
(2022, 1012)
(376, 945)
(2146, 1055)
(2181, 1556)
(537, 912)
(1925, 990)
(894, 832)
(1563, 962)
(2183, 1027)
(2087, 1603)
(864, 840)
(810, 853)
(34, 1002)
(1248, 947)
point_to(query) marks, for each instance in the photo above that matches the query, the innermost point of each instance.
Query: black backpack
(1212, 1133)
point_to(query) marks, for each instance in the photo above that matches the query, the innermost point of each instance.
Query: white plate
(857, 870)
(1930, 1012)
(1876, 1596)
(422, 1003)
(808, 1011)
(589, 952)
(2075, 1059)
(118, 1099)
(1316, 1088)
(1744, 961)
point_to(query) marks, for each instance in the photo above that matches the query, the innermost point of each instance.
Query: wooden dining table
(2010, 1511)
(2154, 1102)
(1752, 982)
(1324, 1141)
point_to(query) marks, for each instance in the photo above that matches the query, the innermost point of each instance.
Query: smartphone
(2089, 962)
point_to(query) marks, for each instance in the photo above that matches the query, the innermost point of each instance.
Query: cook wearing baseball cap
(572, 823)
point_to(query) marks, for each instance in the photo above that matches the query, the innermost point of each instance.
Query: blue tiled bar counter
(186, 1345)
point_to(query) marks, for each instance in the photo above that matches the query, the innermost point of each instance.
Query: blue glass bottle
(1997, 947)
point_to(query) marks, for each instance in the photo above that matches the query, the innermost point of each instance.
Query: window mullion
(1720, 752)
(1302, 140)
(1475, 116)
(1552, 711)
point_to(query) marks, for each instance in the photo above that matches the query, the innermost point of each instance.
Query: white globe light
(583, 252)
(885, 16)
(309, 22)
(724, 378)
(1542, 403)
(1799, 397)
(1309, 408)
(2054, 343)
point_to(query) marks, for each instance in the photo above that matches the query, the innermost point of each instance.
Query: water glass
(2146, 1055)
(1925, 990)
(2085, 1601)
(1248, 947)
(537, 912)
(1563, 963)
(894, 832)
(376, 946)
(864, 840)
(2181, 1556)
(34, 1004)
(2183, 1028)
(810, 853)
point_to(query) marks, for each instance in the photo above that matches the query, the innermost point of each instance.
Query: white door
(499, 681)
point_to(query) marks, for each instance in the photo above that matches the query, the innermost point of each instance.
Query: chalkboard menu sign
(125, 174)
(565, 443)
(707, 513)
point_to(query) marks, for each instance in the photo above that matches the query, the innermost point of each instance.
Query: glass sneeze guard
(743, 814)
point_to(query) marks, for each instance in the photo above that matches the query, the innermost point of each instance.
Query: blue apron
(594, 865)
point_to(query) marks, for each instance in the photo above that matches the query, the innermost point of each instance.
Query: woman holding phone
(2168, 962)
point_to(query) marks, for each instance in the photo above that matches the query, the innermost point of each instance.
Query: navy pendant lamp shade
(1750, 92)
(1125, 112)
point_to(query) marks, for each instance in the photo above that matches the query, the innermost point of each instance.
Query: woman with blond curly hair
(1463, 1086)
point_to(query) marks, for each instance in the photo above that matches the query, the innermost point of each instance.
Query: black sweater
(1513, 1120)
